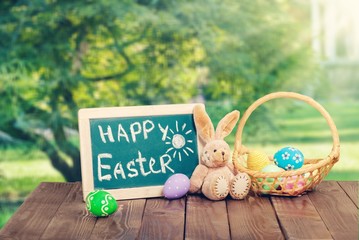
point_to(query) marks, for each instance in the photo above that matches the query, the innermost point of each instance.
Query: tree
(59, 56)
(252, 48)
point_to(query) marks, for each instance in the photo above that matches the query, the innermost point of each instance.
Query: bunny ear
(226, 125)
(203, 123)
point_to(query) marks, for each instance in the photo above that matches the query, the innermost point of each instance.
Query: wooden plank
(33, 216)
(351, 189)
(336, 209)
(253, 218)
(72, 220)
(299, 219)
(206, 219)
(123, 224)
(163, 219)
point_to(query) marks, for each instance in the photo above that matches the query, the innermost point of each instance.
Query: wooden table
(56, 211)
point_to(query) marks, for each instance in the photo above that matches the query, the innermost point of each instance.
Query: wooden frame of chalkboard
(131, 151)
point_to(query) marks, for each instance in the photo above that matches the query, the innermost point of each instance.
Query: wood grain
(163, 219)
(336, 209)
(206, 219)
(56, 211)
(253, 218)
(72, 220)
(351, 189)
(124, 224)
(299, 219)
(33, 216)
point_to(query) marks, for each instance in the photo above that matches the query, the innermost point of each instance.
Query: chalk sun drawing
(178, 141)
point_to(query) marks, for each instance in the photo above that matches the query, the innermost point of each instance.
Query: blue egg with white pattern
(289, 158)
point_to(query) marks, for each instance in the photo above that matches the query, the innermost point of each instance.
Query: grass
(22, 168)
(18, 181)
(7, 209)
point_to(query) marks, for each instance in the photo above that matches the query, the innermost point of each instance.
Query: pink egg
(290, 184)
(176, 186)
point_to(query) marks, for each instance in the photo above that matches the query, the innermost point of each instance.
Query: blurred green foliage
(59, 56)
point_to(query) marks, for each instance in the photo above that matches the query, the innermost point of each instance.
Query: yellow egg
(307, 174)
(257, 160)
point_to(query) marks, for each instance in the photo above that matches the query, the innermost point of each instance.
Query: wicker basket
(286, 183)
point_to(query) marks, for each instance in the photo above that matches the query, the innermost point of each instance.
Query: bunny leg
(197, 178)
(240, 186)
(216, 186)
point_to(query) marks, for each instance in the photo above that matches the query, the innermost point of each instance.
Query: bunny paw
(240, 186)
(221, 188)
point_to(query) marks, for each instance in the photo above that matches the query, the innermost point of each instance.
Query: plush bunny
(215, 176)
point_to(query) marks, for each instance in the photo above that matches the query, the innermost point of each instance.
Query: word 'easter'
(105, 172)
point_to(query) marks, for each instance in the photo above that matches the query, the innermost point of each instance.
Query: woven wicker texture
(287, 183)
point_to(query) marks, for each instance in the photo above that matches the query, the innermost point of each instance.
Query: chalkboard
(131, 151)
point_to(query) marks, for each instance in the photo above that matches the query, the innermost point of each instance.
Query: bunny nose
(223, 153)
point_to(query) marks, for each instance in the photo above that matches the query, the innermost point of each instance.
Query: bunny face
(215, 154)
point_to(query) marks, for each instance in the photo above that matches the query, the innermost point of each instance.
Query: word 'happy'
(136, 128)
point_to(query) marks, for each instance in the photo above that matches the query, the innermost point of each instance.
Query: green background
(57, 57)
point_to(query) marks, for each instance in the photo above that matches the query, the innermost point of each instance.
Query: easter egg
(294, 182)
(176, 186)
(309, 174)
(289, 158)
(257, 160)
(101, 203)
(270, 168)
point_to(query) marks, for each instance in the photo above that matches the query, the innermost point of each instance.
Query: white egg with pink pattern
(176, 186)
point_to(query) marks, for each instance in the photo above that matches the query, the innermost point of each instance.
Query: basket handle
(240, 149)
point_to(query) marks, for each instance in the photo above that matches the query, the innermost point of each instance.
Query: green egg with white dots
(270, 168)
(101, 203)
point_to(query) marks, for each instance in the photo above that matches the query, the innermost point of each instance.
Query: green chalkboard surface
(132, 151)
(142, 151)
